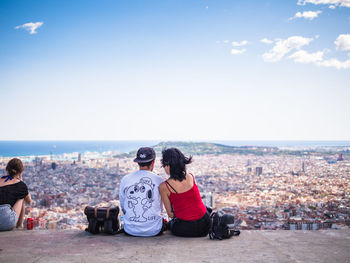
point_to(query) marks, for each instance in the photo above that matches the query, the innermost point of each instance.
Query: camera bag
(102, 219)
(222, 226)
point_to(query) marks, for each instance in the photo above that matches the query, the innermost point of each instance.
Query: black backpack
(222, 226)
(102, 219)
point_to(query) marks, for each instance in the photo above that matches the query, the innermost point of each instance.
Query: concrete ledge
(250, 246)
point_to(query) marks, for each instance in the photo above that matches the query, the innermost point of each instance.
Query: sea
(38, 148)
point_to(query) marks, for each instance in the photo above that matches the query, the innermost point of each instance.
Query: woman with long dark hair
(181, 197)
(13, 195)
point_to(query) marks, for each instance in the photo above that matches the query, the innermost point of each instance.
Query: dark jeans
(198, 228)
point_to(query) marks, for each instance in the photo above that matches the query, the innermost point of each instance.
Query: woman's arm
(165, 198)
(28, 199)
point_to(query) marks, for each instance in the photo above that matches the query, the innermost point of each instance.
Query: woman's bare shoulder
(162, 186)
(189, 176)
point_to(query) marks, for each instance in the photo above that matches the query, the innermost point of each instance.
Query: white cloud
(335, 63)
(31, 27)
(317, 59)
(343, 42)
(266, 41)
(238, 51)
(307, 14)
(333, 3)
(239, 44)
(284, 46)
(302, 56)
(222, 41)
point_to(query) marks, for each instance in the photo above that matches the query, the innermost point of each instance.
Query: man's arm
(121, 195)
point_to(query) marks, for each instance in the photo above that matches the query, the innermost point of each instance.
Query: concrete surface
(250, 246)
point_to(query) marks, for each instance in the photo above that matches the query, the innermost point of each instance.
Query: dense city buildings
(269, 191)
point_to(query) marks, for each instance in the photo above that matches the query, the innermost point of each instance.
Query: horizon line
(176, 140)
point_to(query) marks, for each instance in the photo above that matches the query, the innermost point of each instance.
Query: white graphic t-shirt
(141, 203)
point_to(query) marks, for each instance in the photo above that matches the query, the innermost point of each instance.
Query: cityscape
(309, 190)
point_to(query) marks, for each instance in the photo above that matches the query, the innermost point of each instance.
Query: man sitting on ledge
(139, 197)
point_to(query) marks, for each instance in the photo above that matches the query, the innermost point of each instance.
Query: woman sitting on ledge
(13, 194)
(181, 197)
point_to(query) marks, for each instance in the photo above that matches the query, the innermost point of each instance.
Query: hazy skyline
(175, 70)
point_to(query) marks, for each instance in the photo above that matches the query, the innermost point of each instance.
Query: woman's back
(182, 186)
(11, 192)
(185, 199)
(12, 188)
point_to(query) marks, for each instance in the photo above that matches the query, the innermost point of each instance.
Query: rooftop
(251, 246)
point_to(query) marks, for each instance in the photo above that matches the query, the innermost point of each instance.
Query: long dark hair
(177, 162)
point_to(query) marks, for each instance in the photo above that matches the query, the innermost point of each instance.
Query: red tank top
(187, 205)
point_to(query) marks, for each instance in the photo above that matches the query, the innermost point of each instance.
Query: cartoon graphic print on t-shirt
(139, 197)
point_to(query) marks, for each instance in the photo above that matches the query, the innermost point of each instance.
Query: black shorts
(197, 228)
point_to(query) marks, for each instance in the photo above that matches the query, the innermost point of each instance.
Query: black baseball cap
(145, 155)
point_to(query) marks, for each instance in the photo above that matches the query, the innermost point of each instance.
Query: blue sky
(175, 70)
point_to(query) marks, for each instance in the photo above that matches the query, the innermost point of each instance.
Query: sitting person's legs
(198, 228)
(8, 217)
(19, 209)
